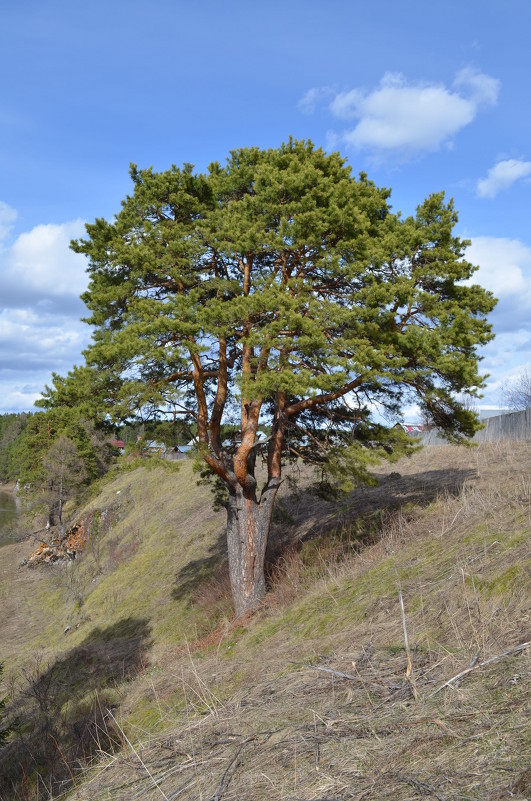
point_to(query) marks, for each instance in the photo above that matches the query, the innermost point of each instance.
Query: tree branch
(318, 400)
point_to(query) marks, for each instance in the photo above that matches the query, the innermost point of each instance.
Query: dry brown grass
(312, 698)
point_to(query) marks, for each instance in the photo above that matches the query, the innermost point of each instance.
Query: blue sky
(422, 96)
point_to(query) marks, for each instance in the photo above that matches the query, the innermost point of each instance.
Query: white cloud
(504, 359)
(504, 269)
(40, 327)
(408, 117)
(481, 89)
(345, 105)
(412, 413)
(39, 266)
(502, 176)
(45, 341)
(313, 97)
(7, 218)
(18, 398)
(332, 141)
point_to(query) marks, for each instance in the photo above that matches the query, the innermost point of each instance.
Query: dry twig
(131, 746)
(223, 781)
(333, 672)
(409, 671)
(458, 676)
(422, 787)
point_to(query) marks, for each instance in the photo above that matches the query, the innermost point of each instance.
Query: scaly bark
(248, 523)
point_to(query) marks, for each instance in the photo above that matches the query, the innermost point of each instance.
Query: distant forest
(26, 438)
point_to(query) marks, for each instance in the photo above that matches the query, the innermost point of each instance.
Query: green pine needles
(281, 294)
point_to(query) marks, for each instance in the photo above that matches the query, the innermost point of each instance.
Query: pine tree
(58, 452)
(281, 290)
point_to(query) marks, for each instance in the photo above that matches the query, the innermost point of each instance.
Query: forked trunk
(248, 523)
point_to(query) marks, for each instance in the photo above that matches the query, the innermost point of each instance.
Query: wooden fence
(514, 425)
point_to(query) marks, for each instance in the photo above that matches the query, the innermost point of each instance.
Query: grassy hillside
(128, 657)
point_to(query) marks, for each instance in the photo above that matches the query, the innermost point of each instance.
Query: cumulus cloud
(505, 359)
(40, 328)
(7, 218)
(346, 105)
(31, 337)
(40, 268)
(404, 116)
(502, 176)
(504, 269)
(311, 99)
(481, 89)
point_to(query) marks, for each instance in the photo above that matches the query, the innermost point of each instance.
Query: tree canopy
(280, 291)
(11, 427)
(59, 450)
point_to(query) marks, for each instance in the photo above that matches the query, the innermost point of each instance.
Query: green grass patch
(507, 582)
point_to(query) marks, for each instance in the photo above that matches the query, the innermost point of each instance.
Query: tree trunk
(54, 513)
(248, 524)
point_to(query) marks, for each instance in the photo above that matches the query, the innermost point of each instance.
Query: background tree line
(54, 453)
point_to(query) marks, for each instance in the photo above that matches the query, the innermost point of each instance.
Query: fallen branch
(223, 781)
(35, 537)
(333, 672)
(422, 787)
(509, 652)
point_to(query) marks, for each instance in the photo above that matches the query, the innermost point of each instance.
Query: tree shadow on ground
(64, 710)
(199, 571)
(303, 514)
